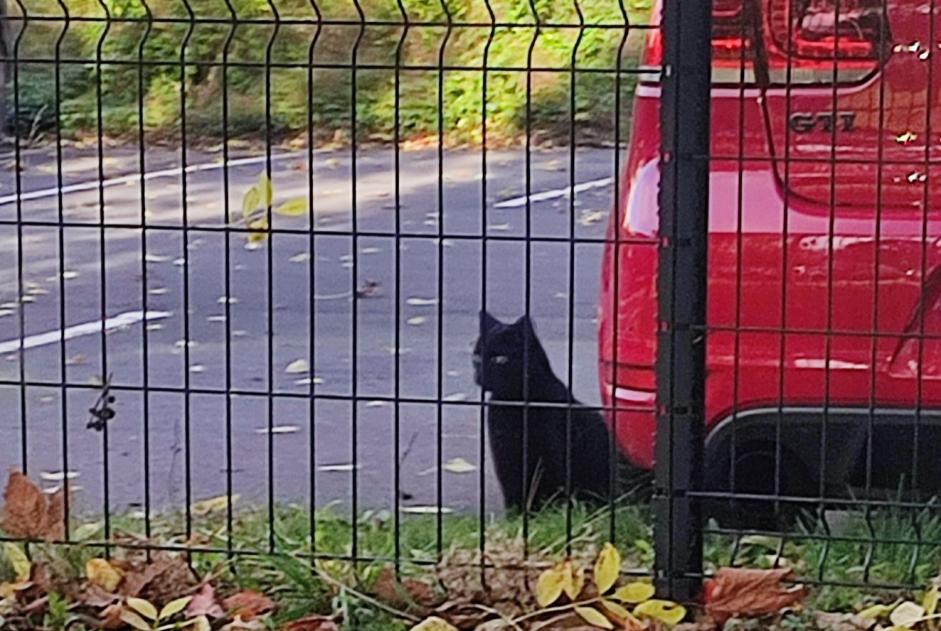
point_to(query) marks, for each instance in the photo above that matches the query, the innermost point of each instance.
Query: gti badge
(806, 122)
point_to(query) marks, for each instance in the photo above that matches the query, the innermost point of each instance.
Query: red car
(824, 293)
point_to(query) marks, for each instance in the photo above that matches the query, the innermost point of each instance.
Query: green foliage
(212, 61)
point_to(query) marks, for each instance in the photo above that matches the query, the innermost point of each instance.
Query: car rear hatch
(849, 91)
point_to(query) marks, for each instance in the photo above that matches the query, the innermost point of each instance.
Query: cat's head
(499, 354)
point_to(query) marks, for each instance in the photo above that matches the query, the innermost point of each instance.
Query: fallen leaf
(415, 301)
(907, 615)
(248, 605)
(337, 468)
(164, 578)
(874, 612)
(621, 614)
(133, 620)
(607, 568)
(311, 623)
(293, 207)
(204, 603)
(590, 217)
(593, 617)
(403, 593)
(19, 562)
(434, 624)
(459, 465)
(94, 596)
(28, 513)
(101, 573)
(550, 584)
(174, 607)
(278, 429)
(297, 367)
(213, 504)
(574, 580)
(748, 593)
(634, 593)
(664, 611)
(841, 622)
(427, 510)
(143, 607)
(930, 601)
(110, 617)
(200, 623)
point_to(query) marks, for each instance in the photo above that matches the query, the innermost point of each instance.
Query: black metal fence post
(684, 194)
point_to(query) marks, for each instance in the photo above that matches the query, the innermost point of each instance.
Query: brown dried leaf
(111, 617)
(28, 513)
(204, 603)
(95, 596)
(743, 592)
(408, 593)
(164, 579)
(248, 605)
(311, 623)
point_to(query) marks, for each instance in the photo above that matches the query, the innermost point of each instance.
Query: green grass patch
(139, 71)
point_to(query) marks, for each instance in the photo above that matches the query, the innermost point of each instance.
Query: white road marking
(555, 193)
(136, 177)
(86, 328)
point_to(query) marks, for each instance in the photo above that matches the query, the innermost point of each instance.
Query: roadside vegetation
(142, 69)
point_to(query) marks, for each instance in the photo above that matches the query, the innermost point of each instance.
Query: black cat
(511, 364)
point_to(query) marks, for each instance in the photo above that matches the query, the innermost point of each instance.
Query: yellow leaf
(101, 573)
(174, 607)
(8, 590)
(251, 201)
(616, 610)
(143, 607)
(265, 188)
(593, 617)
(199, 624)
(875, 612)
(434, 624)
(211, 505)
(293, 207)
(18, 560)
(907, 614)
(574, 579)
(607, 568)
(930, 601)
(634, 593)
(664, 611)
(133, 620)
(549, 585)
(259, 231)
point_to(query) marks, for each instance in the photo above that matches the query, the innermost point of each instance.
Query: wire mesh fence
(439, 282)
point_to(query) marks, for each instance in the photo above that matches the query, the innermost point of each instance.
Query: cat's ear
(525, 323)
(487, 322)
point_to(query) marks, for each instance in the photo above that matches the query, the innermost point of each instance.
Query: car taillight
(820, 36)
(795, 41)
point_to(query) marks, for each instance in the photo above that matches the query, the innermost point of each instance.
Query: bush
(214, 58)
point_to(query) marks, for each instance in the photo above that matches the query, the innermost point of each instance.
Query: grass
(276, 100)
(862, 555)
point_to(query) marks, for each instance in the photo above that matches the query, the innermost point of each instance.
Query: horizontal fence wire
(248, 244)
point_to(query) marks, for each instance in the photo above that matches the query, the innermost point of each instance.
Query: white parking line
(136, 177)
(554, 193)
(86, 328)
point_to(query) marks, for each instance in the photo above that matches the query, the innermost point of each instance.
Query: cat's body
(537, 447)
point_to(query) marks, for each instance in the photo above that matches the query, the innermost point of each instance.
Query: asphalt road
(243, 302)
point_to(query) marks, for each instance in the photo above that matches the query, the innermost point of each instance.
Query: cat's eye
(499, 360)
